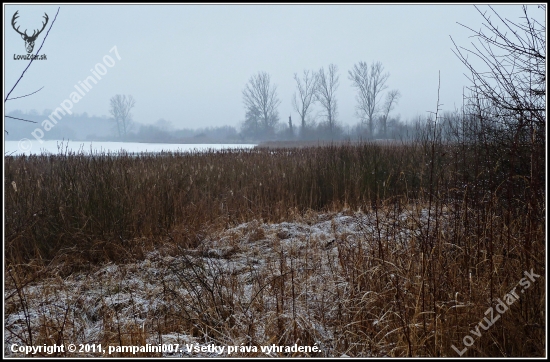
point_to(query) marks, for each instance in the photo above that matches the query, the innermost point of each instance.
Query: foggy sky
(189, 63)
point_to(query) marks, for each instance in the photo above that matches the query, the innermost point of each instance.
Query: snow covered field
(256, 284)
(33, 147)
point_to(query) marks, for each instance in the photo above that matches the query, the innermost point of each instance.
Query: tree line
(261, 101)
(319, 87)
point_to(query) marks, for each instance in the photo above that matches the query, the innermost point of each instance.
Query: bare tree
(261, 103)
(507, 103)
(121, 105)
(392, 97)
(514, 78)
(369, 86)
(306, 93)
(327, 84)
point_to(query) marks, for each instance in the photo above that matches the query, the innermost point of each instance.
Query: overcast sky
(189, 63)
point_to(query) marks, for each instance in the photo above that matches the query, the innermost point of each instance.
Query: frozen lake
(28, 147)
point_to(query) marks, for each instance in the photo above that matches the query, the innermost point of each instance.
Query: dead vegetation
(362, 250)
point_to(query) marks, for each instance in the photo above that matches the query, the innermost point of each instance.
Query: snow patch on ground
(92, 307)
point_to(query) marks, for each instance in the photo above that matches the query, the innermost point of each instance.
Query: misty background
(186, 66)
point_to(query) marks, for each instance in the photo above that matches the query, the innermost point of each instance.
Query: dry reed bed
(201, 250)
(57, 201)
(351, 283)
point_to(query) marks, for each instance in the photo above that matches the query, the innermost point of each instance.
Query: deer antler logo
(29, 40)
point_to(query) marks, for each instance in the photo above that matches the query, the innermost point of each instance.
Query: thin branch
(26, 95)
(21, 119)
